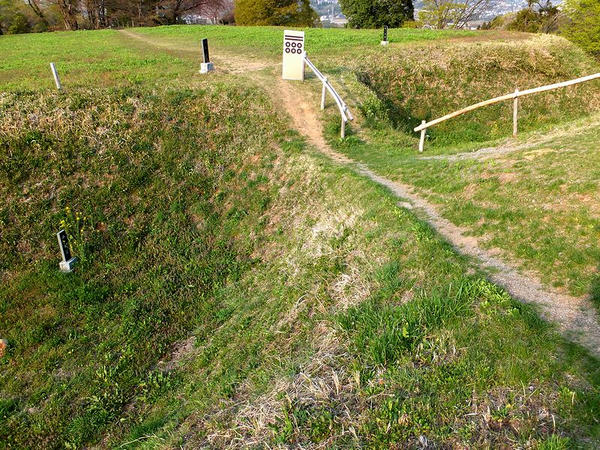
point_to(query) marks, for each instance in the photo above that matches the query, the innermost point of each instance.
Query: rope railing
(514, 96)
(344, 111)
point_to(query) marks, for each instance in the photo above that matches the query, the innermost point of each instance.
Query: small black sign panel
(205, 55)
(63, 242)
(385, 30)
(293, 44)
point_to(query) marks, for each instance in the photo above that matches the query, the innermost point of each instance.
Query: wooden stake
(343, 131)
(55, 75)
(422, 140)
(323, 94)
(515, 113)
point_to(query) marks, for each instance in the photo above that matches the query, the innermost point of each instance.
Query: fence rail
(514, 96)
(344, 111)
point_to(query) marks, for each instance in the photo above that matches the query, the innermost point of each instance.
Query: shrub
(584, 28)
(19, 25)
(376, 14)
(275, 12)
(526, 20)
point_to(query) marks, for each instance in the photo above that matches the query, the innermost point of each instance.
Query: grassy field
(265, 42)
(237, 288)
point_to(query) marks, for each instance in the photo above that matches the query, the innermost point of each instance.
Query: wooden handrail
(514, 95)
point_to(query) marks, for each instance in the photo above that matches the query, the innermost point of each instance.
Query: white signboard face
(293, 59)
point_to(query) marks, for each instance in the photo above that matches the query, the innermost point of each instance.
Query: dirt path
(225, 62)
(510, 146)
(575, 317)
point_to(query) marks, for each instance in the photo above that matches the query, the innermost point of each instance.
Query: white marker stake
(55, 74)
(323, 91)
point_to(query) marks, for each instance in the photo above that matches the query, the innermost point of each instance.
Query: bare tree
(37, 10)
(171, 11)
(451, 14)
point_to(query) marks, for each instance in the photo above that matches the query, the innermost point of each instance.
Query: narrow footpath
(575, 317)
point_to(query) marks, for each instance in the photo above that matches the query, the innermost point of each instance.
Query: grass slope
(553, 228)
(237, 289)
(425, 82)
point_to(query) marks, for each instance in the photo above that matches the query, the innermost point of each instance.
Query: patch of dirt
(225, 62)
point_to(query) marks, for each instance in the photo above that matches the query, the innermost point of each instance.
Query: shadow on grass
(595, 289)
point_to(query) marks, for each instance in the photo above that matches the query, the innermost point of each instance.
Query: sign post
(68, 260)
(385, 38)
(293, 55)
(206, 65)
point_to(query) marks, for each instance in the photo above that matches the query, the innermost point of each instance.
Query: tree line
(21, 16)
(579, 20)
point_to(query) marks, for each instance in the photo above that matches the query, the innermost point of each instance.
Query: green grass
(266, 42)
(83, 59)
(552, 229)
(426, 82)
(234, 285)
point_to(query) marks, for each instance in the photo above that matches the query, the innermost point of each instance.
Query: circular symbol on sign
(293, 44)
(287, 44)
(287, 50)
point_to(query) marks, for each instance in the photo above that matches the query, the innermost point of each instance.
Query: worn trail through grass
(511, 146)
(575, 317)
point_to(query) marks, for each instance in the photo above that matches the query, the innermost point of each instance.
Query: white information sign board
(293, 51)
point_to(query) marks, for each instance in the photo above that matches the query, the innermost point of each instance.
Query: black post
(205, 50)
(63, 241)
(385, 29)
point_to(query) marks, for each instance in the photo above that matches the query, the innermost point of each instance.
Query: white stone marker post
(516, 113)
(293, 55)
(55, 75)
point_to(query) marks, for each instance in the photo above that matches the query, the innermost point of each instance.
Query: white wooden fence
(514, 96)
(344, 111)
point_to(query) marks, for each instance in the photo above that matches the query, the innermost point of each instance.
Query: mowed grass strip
(267, 42)
(83, 59)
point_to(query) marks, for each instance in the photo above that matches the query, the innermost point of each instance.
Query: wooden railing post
(422, 140)
(323, 92)
(515, 112)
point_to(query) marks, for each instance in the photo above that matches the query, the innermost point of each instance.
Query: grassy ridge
(425, 82)
(134, 181)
